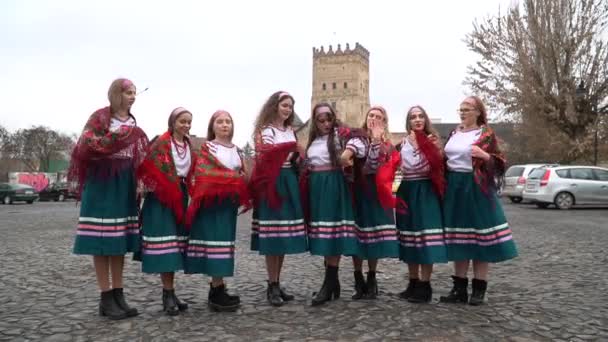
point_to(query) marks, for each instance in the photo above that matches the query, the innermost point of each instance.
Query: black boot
(169, 303)
(109, 307)
(479, 292)
(459, 293)
(372, 285)
(360, 286)
(286, 297)
(330, 288)
(409, 291)
(232, 298)
(423, 293)
(219, 300)
(120, 300)
(273, 294)
(181, 306)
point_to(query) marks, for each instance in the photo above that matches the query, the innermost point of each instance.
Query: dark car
(10, 193)
(56, 192)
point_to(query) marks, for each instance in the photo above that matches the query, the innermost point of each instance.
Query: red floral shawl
(433, 156)
(92, 155)
(159, 175)
(269, 159)
(214, 182)
(389, 161)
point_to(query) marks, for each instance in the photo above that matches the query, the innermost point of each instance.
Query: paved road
(556, 290)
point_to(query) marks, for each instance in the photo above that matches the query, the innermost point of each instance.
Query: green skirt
(163, 239)
(475, 224)
(376, 231)
(421, 234)
(281, 231)
(108, 221)
(211, 245)
(332, 229)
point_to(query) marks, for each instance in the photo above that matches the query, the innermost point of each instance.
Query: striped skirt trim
(107, 227)
(482, 237)
(211, 249)
(159, 245)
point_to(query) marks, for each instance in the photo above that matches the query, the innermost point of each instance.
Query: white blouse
(363, 149)
(413, 163)
(182, 164)
(458, 150)
(318, 153)
(227, 155)
(115, 125)
(273, 135)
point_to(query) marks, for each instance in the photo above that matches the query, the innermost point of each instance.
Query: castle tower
(341, 78)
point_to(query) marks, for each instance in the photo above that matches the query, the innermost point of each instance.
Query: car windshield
(537, 173)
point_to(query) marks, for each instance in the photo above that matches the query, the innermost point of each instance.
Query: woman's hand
(477, 152)
(346, 159)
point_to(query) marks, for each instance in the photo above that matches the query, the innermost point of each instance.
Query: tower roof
(358, 50)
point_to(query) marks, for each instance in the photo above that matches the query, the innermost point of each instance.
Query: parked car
(10, 193)
(56, 192)
(566, 186)
(515, 180)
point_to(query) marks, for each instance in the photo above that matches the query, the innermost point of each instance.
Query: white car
(515, 180)
(566, 186)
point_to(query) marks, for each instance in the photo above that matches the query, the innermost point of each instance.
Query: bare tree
(248, 151)
(37, 146)
(544, 64)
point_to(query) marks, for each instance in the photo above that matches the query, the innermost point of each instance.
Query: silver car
(515, 180)
(566, 186)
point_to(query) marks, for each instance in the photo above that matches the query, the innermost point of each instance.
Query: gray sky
(57, 58)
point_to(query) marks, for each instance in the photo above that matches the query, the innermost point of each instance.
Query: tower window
(333, 105)
(333, 85)
(324, 86)
(345, 85)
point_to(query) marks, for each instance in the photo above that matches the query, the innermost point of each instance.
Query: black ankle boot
(273, 294)
(109, 307)
(409, 291)
(286, 297)
(360, 286)
(233, 298)
(181, 306)
(219, 299)
(330, 288)
(459, 293)
(169, 303)
(479, 292)
(372, 285)
(120, 300)
(423, 292)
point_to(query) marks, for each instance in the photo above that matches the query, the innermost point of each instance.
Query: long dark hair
(270, 110)
(313, 133)
(428, 125)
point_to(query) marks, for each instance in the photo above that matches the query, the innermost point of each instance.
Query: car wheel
(542, 205)
(564, 200)
(30, 201)
(7, 200)
(515, 199)
(61, 198)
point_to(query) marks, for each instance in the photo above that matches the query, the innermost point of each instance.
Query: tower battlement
(358, 50)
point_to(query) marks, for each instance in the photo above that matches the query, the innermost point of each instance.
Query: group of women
(332, 198)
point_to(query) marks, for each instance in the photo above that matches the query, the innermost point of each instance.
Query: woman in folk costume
(166, 172)
(328, 199)
(219, 189)
(475, 225)
(278, 220)
(375, 163)
(421, 232)
(102, 168)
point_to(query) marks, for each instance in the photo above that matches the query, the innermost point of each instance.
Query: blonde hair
(386, 135)
(117, 87)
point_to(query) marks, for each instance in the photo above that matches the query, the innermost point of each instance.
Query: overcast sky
(57, 58)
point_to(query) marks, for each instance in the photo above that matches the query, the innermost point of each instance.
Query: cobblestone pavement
(555, 290)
